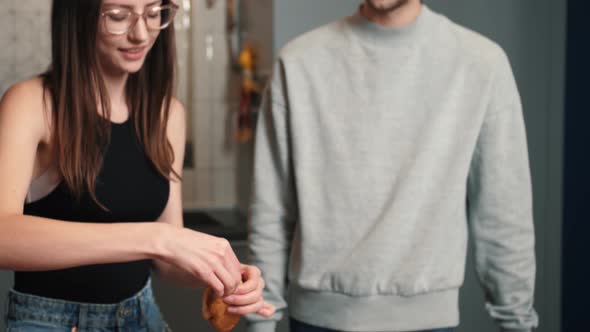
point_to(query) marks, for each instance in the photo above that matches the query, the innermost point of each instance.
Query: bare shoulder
(177, 110)
(176, 132)
(26, 104)
(29, 94)
(176, 118)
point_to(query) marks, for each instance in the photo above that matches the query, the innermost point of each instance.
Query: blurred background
(225, 44)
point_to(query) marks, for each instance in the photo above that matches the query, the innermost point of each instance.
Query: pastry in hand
(215, 311)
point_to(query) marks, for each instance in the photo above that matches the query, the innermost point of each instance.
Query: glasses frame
(136, 16)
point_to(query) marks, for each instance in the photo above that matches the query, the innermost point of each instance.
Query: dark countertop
(230, 224)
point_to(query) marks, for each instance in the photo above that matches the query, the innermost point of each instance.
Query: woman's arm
(247, 297)
(172, 215)
(31, 243)
(34, 244)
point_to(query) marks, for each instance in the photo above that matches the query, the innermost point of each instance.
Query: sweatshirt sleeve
(273, 209)
(500, 208)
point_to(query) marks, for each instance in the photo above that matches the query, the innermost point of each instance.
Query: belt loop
(142, 299)
(142, 311)
(148, 290)
(5, 308)
(120, 317)
(82, 318)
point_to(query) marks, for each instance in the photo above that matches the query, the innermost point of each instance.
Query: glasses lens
(160, 18)
(117, 21)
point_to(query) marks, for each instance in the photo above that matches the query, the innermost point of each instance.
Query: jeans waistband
(65, 313)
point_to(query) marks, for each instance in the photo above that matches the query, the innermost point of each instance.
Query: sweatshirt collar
(391, 36)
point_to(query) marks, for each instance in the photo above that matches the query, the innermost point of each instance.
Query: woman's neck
(115, 88)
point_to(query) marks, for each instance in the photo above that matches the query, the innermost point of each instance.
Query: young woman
(94, 148)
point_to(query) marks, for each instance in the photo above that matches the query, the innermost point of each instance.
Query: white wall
(24, 36)
(210, 90)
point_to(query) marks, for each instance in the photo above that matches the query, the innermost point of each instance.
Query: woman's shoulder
(176, 115)
(176, 107)
(29, 102)
(27, 91)
(176, 127)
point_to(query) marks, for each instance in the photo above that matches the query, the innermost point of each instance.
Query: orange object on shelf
(250, 92)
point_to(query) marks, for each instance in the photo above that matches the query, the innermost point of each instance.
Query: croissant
(215, 311)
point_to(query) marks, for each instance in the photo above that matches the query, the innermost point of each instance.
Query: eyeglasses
(119, 21)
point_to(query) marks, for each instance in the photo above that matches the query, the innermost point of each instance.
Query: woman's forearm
(30, 243)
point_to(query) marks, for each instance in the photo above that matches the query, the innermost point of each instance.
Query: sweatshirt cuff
(262, 326)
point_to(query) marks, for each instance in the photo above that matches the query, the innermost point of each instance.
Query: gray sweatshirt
(377, 150)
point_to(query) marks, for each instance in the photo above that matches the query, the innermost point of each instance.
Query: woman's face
(124, 37)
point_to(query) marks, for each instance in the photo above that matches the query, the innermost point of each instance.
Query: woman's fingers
(229, 272)
(210, 259)
(214, 283)
(267, 310)
(251, 276)
(245, 299)
(214, 262)
(234, 266)
(246, 309)
(230, 283)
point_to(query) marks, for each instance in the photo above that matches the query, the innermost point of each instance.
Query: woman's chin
(132, 68)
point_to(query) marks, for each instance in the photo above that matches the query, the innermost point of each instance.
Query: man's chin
(384, 7)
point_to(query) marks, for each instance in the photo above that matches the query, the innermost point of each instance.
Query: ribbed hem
(263, 326)
(375, 313)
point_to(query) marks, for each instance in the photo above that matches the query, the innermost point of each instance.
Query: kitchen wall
(220, 176)
(24, 36)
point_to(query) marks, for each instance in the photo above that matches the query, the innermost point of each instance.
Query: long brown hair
(76, 89)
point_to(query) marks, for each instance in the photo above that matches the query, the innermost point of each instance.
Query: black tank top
(130, 187)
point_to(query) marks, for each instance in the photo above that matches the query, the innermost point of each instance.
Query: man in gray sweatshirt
(384, 138)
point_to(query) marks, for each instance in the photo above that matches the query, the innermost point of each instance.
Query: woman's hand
(207, 258)
(247, 298)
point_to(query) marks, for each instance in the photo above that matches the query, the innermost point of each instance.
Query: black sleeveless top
(130, 187)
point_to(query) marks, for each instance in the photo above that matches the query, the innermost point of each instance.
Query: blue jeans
(297, 326)
(30, 313)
